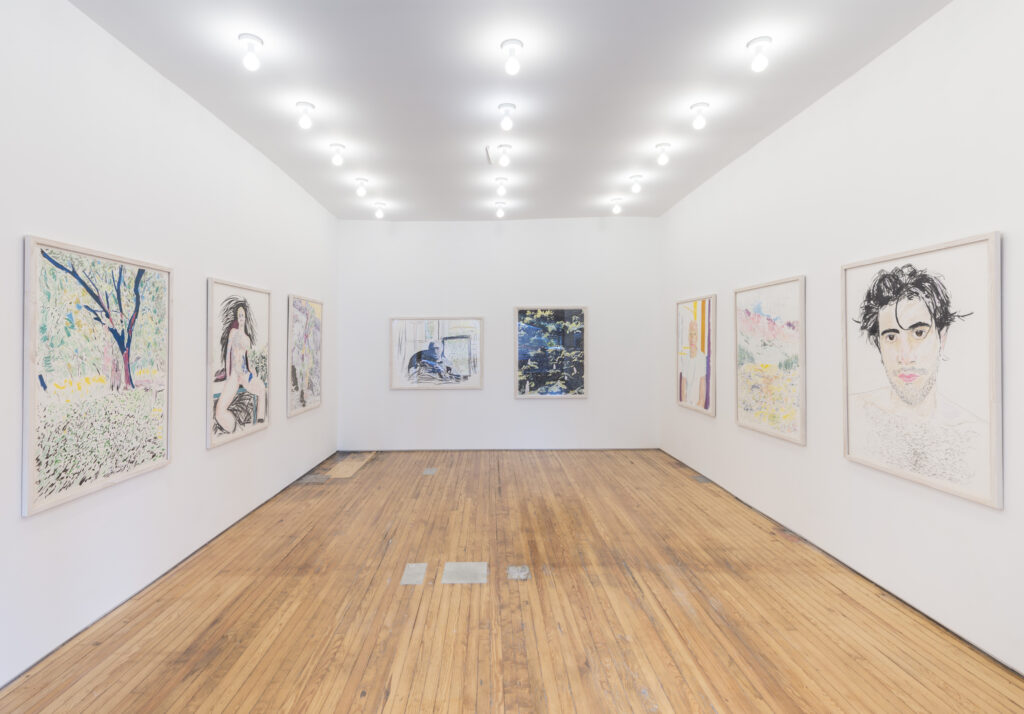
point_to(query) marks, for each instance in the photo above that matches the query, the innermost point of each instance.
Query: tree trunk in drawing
(112, 317)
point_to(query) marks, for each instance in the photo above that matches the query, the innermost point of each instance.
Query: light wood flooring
(650, 590)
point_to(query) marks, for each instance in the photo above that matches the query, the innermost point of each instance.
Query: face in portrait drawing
(242, 392)
(906, 315)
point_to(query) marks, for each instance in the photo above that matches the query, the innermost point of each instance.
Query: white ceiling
(411, 87)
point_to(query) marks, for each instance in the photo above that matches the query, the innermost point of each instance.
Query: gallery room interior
(721, 486)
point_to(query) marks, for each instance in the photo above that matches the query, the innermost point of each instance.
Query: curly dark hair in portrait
(906, 283)
(229, 319)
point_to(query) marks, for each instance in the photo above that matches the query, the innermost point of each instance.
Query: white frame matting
(288, 358)
(800, 437)
(974, 340)
(712, 387)
(213, 328)
(31, 505)
(515, 346)
(477, 382)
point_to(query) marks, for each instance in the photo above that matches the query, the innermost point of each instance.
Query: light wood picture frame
(770, 364)
(436, 352)
(696, 354)
(551, 352)
(97, 371)
(238, 352)
(922, 366)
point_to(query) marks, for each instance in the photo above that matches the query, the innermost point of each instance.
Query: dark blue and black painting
(550, 348)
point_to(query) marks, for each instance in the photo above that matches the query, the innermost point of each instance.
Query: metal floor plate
(464, 573)
(414, 574)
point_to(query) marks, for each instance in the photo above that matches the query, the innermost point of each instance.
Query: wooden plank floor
(650, 590)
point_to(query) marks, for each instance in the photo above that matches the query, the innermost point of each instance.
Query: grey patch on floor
(430, 472)
(519, 572)
(313, 478)
(414, 574)
(464, 573)
(701, 479)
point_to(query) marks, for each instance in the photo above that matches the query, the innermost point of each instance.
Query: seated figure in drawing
(909, 425)
(693, 381)
(431, 365)
(242, 393)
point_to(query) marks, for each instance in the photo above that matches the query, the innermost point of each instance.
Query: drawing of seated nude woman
(235, 407)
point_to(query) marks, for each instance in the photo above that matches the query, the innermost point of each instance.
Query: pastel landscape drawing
(768, 363)
(99, 358)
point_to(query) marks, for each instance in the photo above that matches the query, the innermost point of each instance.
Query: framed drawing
(97, 371)
(551, 352)
(436, 353)
(695, 354)
(237, 360)
(770, 362)
(305, 331)
(921, 346)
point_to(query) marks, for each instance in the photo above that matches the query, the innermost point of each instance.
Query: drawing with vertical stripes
(695, 354)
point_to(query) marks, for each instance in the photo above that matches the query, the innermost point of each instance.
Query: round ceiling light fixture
(506, 110)
(251, 43)
(699, 119)
(306, 110)
(504, 158)
(662, 150)
(512, 48)
(758, 47)
(337, 154)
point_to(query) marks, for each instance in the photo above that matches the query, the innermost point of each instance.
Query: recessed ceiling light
(635, 186)
(759, 47)
(379, 205)
(500, 205)
(662, 153)
(502, 183)
(699, 119)
(503, 155)
(511, 48)
(506, 116)
(617, 205)
(361, 187)
(337, 154)
(251, 43)
(305, 114)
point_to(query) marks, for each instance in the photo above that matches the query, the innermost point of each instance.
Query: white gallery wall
(487, 269)
(922, 146)
(98, 150)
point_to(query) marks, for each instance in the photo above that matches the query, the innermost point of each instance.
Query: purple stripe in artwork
(707, 372)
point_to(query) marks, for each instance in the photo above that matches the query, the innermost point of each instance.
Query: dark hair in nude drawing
(905, 283)
(229, 319)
